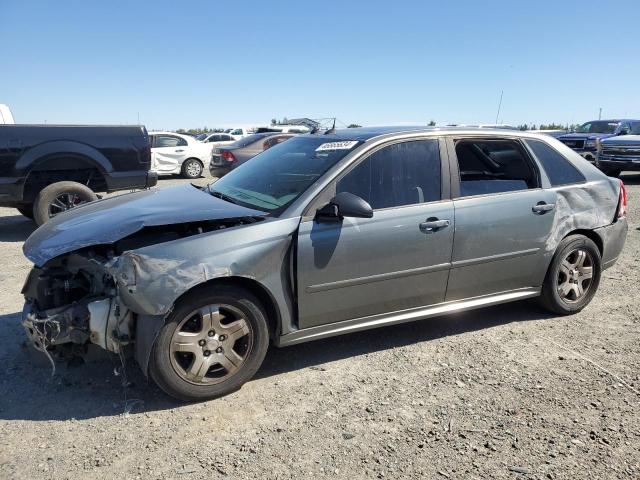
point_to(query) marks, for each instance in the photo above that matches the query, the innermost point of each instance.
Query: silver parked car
(319, 236)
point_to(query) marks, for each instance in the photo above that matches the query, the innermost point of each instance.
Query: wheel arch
(68, 164)
(148, 326)
(199, 160)
(591, 235)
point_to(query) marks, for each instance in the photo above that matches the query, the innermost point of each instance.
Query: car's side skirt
(365, 323)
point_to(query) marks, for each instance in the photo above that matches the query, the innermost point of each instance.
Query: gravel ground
(504, 392)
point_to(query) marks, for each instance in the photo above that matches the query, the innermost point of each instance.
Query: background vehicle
(5, 115)
(285, 129)
(239, 132)
(218, 139)
(173, 153)
(617, 154)
(224, 159)
(47, 169)
(584, 139)
(294, 246)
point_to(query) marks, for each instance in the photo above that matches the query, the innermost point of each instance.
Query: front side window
(559, 169)
(635, 128)
(493, 166)
(404, 173)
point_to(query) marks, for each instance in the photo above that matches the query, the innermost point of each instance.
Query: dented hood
(106, 221)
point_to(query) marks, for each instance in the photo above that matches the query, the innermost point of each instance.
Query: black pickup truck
(47, 169)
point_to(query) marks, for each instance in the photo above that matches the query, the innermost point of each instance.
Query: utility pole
(600, 114)
(138, 118)
(499, 105)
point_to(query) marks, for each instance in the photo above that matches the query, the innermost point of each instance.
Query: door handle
(542, 207)
(178, 151)
(433, 225)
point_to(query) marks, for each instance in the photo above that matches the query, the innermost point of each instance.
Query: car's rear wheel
(212, 343)
(573, 276)
(192, 168)
(60, 197)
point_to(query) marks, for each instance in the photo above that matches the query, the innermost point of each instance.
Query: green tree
(432, 123)
(353, 125)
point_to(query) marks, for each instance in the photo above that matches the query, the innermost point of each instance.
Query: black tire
(75, 193)
(162, 367)
(551, 297)
(192, 168)
(26, 210)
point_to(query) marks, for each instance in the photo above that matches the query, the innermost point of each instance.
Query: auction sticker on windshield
(347, 145)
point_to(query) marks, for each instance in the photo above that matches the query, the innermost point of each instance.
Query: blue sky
(197, 63)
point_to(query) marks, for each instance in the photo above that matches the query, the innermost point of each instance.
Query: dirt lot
(504, 392)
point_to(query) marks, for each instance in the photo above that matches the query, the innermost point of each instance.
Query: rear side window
(164, 141)
(559, 169)
(401, 174)
(493, 166)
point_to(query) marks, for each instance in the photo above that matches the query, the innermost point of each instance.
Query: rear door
(397, 260)
(169, 152)
(503, 217)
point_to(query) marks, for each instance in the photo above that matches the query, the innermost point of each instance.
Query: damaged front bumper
(102, 322)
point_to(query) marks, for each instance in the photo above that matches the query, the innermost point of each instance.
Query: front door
(503, 218)
(397, 260)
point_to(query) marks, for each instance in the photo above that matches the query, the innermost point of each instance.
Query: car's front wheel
(212, 343)
(573, 276)
(192, 168)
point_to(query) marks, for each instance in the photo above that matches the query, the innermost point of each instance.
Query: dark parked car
(621, 153)
(585, 139)
(47, 169)
(225, 159)
(322, 235)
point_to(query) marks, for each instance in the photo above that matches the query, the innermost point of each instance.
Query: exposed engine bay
(74, 300)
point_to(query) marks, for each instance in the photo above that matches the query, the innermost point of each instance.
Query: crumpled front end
(73, 301)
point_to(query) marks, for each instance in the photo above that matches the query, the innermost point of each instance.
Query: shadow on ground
(16, 228)
(92, 390)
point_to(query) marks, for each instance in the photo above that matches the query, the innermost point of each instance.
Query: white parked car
(173, 153)
(218, 139)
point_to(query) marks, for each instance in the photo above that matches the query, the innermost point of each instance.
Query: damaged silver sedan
(320, 236)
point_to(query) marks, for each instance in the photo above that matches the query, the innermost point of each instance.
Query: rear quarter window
(559, 170)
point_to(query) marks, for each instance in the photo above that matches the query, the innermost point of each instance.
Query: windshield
(598, 127)
(275, 178)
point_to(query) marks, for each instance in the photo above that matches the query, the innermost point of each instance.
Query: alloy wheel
(575, 275)
(63, 202)
(194, 169)
(211, 344)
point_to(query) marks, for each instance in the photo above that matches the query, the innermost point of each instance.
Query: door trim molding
(321, 287)
(493, 258)
(402, 316)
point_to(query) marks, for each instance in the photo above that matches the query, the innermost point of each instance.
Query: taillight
(622, 201)
(229, 157)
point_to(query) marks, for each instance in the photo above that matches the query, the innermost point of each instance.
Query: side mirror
(344, 204)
